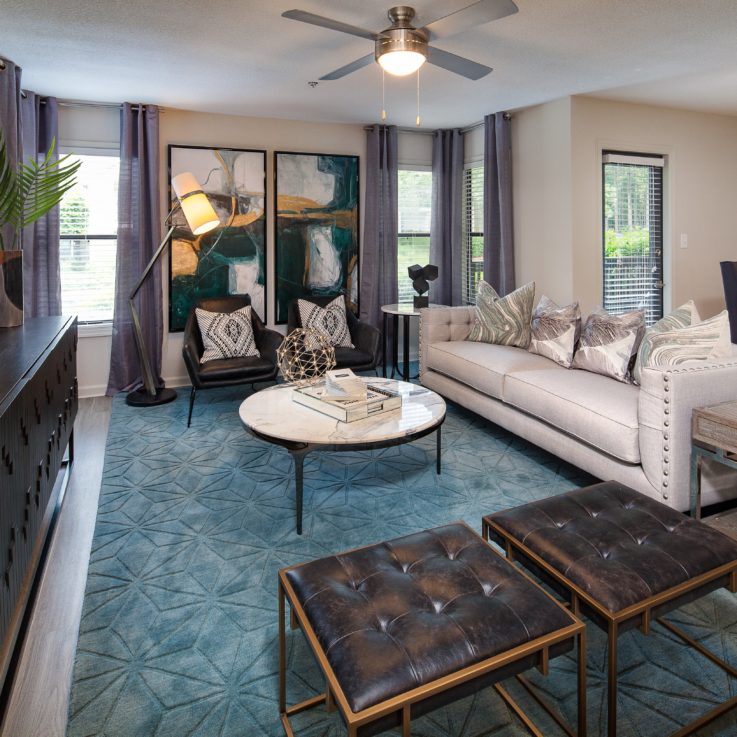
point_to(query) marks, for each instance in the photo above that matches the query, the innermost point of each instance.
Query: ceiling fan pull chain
(383, 104)
(418, 120)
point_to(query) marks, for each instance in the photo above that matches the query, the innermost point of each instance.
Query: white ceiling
(241, 57)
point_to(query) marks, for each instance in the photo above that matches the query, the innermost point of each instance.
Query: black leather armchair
(366, 338)
(228, 371)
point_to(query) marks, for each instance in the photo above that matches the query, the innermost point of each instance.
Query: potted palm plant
(26, 194)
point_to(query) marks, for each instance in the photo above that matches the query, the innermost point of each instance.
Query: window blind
(472, 247)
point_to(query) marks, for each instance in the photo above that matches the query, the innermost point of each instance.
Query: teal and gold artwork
(316, 233)
(232, 258)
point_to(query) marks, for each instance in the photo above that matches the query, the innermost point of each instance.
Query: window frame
(91, 328)
(662, 157)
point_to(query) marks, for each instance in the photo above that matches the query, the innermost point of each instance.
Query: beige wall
(557, 194)
(541, 155)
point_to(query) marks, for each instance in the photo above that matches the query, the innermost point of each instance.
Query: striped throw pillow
(705, 341)
(685, 315)
(503, 320)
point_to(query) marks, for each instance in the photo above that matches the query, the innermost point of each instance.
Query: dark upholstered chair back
(729, 277)
(366, 338)
(229, 371)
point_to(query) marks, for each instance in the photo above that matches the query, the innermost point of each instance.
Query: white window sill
(95, 329)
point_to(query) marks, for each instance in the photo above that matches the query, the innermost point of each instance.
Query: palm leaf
(36, 188)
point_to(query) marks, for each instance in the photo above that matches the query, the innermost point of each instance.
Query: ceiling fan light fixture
(401, 49)
(402, 63)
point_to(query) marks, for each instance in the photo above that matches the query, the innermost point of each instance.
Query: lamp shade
(197, 209)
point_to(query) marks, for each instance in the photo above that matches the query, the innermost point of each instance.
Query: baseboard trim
(98, 390)
(93, 390)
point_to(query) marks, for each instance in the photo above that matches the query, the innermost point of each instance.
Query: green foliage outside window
(630, 242)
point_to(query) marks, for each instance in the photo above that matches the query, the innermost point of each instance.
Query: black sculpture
(421, 276)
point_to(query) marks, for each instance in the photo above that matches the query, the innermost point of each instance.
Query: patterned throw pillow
(329, 320)
(503, 320)
(682, 317)
(555, 331)
(704, 341)
(608, 342)
(226, 334)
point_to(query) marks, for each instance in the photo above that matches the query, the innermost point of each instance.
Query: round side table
(405, 310)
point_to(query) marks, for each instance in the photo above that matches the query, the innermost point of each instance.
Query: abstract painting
(232, 258)
(316, 234)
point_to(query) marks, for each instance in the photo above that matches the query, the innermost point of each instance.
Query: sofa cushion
(593, 408)
(483, 366)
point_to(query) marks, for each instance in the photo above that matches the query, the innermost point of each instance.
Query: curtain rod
(425, 132)
(84, 103)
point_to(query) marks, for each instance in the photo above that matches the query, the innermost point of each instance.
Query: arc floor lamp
(201, 218)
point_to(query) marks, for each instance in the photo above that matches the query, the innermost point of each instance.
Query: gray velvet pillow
(608, 343)
(503, 320)
(555, 331)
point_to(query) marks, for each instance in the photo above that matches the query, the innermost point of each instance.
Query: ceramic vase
(11, 288)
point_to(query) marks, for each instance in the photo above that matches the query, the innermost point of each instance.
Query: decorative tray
(378, 400)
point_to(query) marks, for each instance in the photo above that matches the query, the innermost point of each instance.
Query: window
(472, 246)
(88, 247)
(633, 233)
(415, 203)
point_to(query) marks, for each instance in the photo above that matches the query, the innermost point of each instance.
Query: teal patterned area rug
(178, 636)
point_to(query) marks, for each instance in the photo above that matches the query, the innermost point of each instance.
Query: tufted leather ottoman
(408, 625)
(622, 559)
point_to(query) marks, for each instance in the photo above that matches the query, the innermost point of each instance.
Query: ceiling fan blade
(364, 61)
(458, 64)
(483, 11)
(333, 25)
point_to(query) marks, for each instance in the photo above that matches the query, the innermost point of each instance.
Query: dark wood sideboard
(38, 404)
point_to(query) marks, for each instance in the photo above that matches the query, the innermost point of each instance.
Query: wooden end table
(714, 436)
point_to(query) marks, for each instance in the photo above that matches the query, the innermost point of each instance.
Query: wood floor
(40, 692)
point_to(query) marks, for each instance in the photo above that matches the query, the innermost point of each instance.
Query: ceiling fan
(402, 49)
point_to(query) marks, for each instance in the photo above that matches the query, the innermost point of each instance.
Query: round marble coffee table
(271, 415)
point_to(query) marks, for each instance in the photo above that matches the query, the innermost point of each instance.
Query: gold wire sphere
(304, 356)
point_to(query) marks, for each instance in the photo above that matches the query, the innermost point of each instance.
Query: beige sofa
(638, 435)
